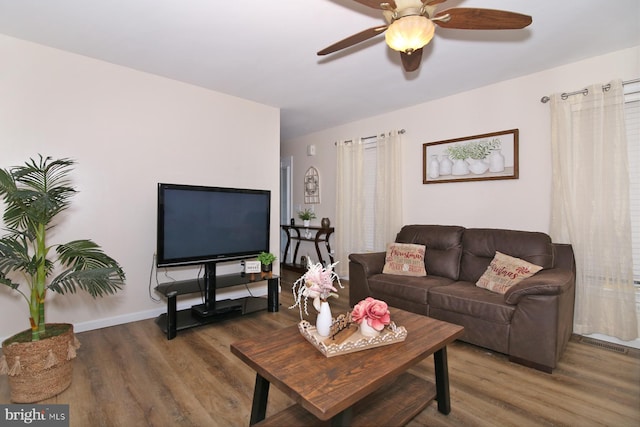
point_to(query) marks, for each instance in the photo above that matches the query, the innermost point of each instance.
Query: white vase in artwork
(366, 330)
(324, 320)
(434, 167)
(445, 165)
(496, 161)
(306, 222)
(460, 167)
(477, 166)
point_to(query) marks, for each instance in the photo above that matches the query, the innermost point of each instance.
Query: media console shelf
(212, 311)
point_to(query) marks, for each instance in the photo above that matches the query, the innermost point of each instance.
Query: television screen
(198, 224)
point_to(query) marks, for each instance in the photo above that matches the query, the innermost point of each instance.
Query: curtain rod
(606, 87)
(401, 132)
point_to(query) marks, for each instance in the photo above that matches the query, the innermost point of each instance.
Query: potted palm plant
(39, 359)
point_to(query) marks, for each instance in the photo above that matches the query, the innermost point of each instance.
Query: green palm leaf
(14, 255)
(36, 192)
(88, 268)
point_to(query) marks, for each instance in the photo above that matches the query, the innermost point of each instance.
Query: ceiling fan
(410, 25)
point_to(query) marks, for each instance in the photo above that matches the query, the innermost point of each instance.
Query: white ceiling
(265, 51)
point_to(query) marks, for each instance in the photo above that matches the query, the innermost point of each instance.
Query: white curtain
(350, 204)
(388, 203)
(590, 207)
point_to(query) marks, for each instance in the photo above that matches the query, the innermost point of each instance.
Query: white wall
(518, 204)
(128, 131)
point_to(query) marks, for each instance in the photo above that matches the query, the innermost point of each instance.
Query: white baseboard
(256, 290)
(118, 320)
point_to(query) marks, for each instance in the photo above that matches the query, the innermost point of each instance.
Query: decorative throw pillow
(405, 259)
(506, 271)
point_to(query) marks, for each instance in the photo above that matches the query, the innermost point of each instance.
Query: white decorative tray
(350, 339)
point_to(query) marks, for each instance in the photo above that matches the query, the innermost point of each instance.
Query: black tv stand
(204, 312)
(212, 310)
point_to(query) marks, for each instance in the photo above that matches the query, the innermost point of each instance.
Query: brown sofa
(532, 322)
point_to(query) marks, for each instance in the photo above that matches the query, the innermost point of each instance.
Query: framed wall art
(489, 156)
(312, 186)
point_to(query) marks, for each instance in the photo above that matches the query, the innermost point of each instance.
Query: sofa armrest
(371, 262)
(361, 267)
(553, 281)
(563, 256)
(543, 319)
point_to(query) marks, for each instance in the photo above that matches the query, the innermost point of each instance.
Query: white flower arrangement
(316, 283)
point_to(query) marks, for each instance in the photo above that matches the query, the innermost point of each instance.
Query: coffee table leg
(260, 396)
(442, 380)
(342, 419)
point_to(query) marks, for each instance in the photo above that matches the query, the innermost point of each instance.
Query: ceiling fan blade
(411, 62)
(354, 39)
(377, 4)
(432, 2)
(481, 19)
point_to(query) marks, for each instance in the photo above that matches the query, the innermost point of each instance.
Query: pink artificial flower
(320, 279)
(316, 283)
(374, 311)
(359, 312)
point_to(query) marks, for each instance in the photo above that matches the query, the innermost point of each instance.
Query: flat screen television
(200, 225)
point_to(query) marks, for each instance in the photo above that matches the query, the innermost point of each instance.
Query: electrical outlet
(303, 260)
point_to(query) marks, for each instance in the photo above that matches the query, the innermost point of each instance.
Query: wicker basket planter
(41, 369)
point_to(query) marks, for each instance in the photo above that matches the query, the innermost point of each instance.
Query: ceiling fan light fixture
(409, 33)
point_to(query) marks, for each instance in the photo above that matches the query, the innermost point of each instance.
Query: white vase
(434, 167)
(306, 222)
(496, 161)
(324, 320)
(366, 330)
(460, 167)
(445, 165)
(477, 166)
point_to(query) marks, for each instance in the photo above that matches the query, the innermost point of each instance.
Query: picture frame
(312, 186)
(485, 157)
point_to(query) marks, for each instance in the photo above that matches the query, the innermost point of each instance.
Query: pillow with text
(405, 259)
(505, 271)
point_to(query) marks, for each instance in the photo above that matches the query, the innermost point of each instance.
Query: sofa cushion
(415, 289)
(466, 298)
(504, 271)
(444, 247)
(480, 246)
(405, 259)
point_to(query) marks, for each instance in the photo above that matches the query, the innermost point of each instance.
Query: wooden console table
(319, 234)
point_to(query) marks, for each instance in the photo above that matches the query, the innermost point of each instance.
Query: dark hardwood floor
(130, 375)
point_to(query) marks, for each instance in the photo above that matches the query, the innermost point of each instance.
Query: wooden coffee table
(368, 387)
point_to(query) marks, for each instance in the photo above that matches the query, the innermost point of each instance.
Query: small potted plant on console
(39, 360)
(266, 259)
(306, 216)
